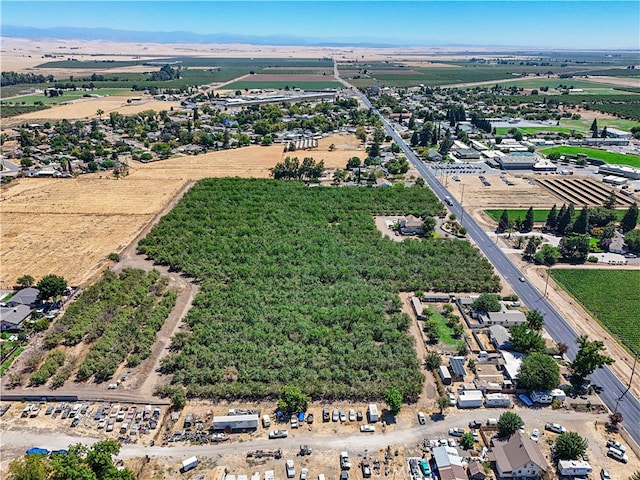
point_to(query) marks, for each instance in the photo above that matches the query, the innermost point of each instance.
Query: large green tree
(51, 286)
(509, 423)
(632, 239)
(564, 219)
(581, 225)
(574, 248)
(525, 340)
(535, 319)
(393, 398)
(588, 359)
(527, 224)
(80, 463)
(293, 400)
(504, 223)
(487, 302)
(552, 219)
(25, 281)
(570, 446)
(539, 372)
(630, 218)
(547, 255)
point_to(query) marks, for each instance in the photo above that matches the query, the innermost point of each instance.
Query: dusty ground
(86, 108)
(69, 226)
(622, 81)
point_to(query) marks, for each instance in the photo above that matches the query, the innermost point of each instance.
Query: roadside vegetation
(611, 296)
(299, 288)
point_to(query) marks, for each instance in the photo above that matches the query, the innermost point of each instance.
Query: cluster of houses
(18, 309)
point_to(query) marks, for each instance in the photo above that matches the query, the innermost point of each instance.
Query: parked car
(325, 414)
(421, 418)
(367, 428)
(345, 463)
(278, 434)
(617, 445)
(335, 415)
(352, 415)
(304, 474)
(618, 455)
(294, 422)
(290, 468)
(554, 427)
(604, 474)
(343, 416)
(310, 418)
(456, 432)
(535, 435)
(359, 415)
(344, 475)
(475, 424)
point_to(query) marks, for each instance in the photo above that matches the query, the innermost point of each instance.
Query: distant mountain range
(82, 33)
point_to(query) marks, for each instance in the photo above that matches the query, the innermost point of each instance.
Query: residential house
(26, 296)
(458, 371)
(411, 226)
(517, 456)
(500, 337)
(506, 318)
(449, 464)
(12, 318)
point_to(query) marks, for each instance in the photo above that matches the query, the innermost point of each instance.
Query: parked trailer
(470, 399)
(189, 464)
(372, 413)
(497, 400)
(445, 376)
(235, 423)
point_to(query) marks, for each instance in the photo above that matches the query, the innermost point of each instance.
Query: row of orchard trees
(300, 288)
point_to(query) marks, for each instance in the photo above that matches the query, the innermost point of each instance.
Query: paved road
(556, 326)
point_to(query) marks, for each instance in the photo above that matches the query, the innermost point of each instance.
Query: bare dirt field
(69, 226)
(622, 81)
(86, 108)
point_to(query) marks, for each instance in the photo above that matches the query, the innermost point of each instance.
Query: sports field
(607, 157)
(611, 296)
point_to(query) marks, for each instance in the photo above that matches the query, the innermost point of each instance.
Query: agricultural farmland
(611, 296)
(539, 215)
(607, 157)
(298, 287)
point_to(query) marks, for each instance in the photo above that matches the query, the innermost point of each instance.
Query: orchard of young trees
(300, 289)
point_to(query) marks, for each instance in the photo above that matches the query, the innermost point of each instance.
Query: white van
(618, 455)
(266, 421)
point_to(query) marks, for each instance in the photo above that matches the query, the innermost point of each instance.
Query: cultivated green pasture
(311, 85)
(607, 157)
(611, 296)
(67, 96)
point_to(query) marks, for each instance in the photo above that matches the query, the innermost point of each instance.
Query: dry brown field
(87, 107)
(69, 226)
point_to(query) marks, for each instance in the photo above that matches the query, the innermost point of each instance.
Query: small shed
(417, 308)
(445, 376)
(476, 470)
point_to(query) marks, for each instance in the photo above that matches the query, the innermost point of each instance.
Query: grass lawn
(607, 157)
(539, 215)
(584, 124)
(7, 363)
(538, 130)
(611, 296)
(68, 95)
(446, 334)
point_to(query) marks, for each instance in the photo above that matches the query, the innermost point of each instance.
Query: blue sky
(568, 24)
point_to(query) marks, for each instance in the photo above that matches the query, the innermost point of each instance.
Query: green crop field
(67, 96)
(585, 124)
(300, 288)
(539, 215)
(310, 85)
(611, 296)
(607, 157)
(538, 130)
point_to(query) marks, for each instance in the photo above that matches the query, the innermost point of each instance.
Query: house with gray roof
(517, 456)
(500, 337)
(11, 318)
(26, 296)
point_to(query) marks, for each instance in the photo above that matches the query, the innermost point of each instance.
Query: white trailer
(236, 423)
(572, 468)
(470, 399)
(189, 464)
(497, 400)
(541, 397)
(372, 413)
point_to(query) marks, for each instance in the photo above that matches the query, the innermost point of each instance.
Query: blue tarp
(38, 451)
(301, 417)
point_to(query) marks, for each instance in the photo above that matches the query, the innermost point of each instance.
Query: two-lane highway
(612, 388)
